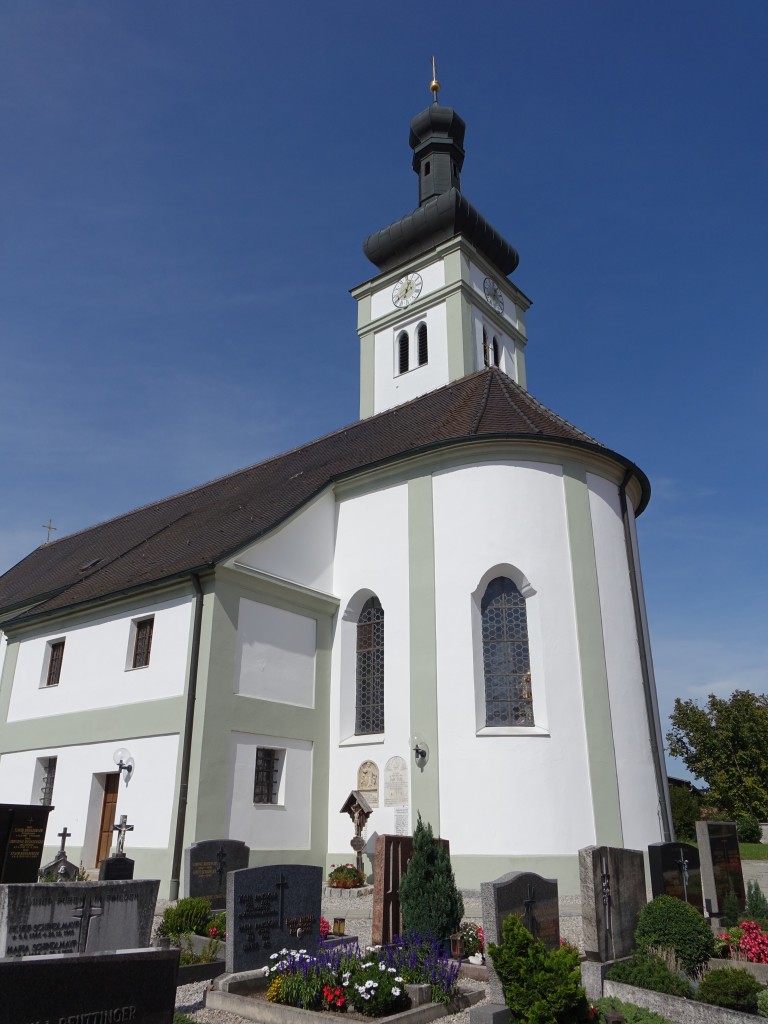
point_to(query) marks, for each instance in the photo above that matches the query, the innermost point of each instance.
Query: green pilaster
(601, 755)
(421, 594)
(367, 374)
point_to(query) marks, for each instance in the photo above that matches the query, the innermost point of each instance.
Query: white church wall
(286, 824)
(509, 514)
(432, 276)
(93, 668)
(275, 654)
(147, 799)
(301, 550)
(371, 558)
(634, 764)
(392, 387)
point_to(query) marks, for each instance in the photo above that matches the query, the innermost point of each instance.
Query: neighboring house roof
(194, 530)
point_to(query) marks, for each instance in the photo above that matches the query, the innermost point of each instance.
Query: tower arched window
(496, 351)
(423, 346)
(402, 352)
(369, 678)
(506, 659)
(486, 360)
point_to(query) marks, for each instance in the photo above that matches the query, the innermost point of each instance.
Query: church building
(439, 605)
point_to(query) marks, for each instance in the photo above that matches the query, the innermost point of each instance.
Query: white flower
(273, 957)
(382, 967)
(363, 966)
(369, 984)
(395, 991)
(302, 951)
(365, 995)
(391, 970)
(399, 980)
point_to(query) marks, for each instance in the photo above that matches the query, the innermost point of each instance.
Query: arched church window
(369, 679)
(495, 352)
(402, 352)
(506, 661)
(485, 348)
(421, 338)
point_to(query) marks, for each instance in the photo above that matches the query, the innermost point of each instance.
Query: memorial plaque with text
(269, 909)
(22, 838)
(206, 865)
(396, 782)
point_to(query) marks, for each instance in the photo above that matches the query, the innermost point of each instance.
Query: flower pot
(457, 946)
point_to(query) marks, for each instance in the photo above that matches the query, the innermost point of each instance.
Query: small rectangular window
(48, 765)
(142, 642)
(267, 778)
(55, 658)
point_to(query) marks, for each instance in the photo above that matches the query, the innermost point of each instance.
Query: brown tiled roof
(198, 528)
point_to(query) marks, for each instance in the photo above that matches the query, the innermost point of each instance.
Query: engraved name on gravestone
(22, 837)
(675, 871)
(612, 895)
(533, 899)
(720, 863)
(137, 986)
(269, 909)
(77, 917)
(206, 865)
(396, 782)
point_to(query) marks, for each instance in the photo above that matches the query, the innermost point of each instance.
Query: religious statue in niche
(368, 782)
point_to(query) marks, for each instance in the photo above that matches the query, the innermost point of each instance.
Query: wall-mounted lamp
(125, 763)
(420, 752)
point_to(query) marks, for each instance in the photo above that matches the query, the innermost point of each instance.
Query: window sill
(512, 730)
(269, 807)
(359, 741)
(135, 668)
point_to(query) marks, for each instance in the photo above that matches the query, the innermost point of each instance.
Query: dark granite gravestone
(269, 909)
(533, 899)
(136, 986)
(22, 837)
(612, 882)
(675, 871)
(720, 863)
(206, 865)
(116, 868)
(76, 917)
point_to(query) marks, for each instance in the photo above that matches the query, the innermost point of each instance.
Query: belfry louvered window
(402, 352)
(421, 338)
(506, 661)
(265, 779)
(496, 352)
(369, 679)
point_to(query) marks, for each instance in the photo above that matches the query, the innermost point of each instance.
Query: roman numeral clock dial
(493, 294)
(407, 290)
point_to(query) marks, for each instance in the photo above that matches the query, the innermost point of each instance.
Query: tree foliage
(686, 811)
(726, 745)
(429, 900)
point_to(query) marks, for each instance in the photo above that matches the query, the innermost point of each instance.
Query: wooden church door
(109, 807)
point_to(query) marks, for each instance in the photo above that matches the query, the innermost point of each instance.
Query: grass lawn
(753, 851)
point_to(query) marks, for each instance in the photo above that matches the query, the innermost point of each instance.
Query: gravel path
(190, 1000)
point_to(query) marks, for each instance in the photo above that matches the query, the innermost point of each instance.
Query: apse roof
(194, 530)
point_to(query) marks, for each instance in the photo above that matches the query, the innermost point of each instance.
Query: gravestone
(22, 837)
(206, 865)
(137, 985)
(396, 782)
(269, 909)
(720, 863)
(612, 882)
(60, 869)
(390, 860)
(75, 917)
(116, 868)
(368, 782)
(675, 871)
(533, 899)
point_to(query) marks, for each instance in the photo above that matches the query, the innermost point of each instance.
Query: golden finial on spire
(434, 85)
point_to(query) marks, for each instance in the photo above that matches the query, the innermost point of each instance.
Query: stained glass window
(506, 662)
(265, 781)
(369, 680)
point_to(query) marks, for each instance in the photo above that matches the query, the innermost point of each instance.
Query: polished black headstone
(720, 863)
(675, 871)
(116, 869)
(134, 985)
(206, 865)
(22, 837)
(269, 909)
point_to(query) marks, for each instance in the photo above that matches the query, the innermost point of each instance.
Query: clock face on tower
(493, 294)
(407, 290)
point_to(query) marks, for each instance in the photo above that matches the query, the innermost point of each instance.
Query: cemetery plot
(612, 895)
(675, 871)
(206, 865)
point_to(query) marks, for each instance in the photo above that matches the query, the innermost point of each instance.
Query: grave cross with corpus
(121, 829)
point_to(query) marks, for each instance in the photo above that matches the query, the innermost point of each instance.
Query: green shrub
(762, 1003)
(756, 906)
(729, 916)
(672, 924)
(748, 829)
(648, 971)
(732, 987)
(686, 811)
(191, 914)
(632, 1014)
(429, 900)
(540, 986)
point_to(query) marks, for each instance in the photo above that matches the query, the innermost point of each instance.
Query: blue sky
(185, 190)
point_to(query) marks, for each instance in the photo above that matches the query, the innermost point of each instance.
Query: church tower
(441, 306)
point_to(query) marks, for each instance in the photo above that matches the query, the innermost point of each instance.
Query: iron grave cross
(530, 920)
(63, 836)
(121, 829)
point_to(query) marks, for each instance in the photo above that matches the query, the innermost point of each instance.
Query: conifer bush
(732, 987)
(429, 900)
(669, 923)
(756, 907)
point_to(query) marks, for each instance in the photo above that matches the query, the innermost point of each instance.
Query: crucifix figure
(84, 913)
(605, 884)
(121, 829)
(281, 886)
(221, 865)
(530, 920)
(682, 866)
(63, 836)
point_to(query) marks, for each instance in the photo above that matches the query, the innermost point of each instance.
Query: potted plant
(345, 876)
(474, 941)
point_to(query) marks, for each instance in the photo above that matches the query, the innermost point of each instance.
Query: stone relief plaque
(396, 783)
(368, 782)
